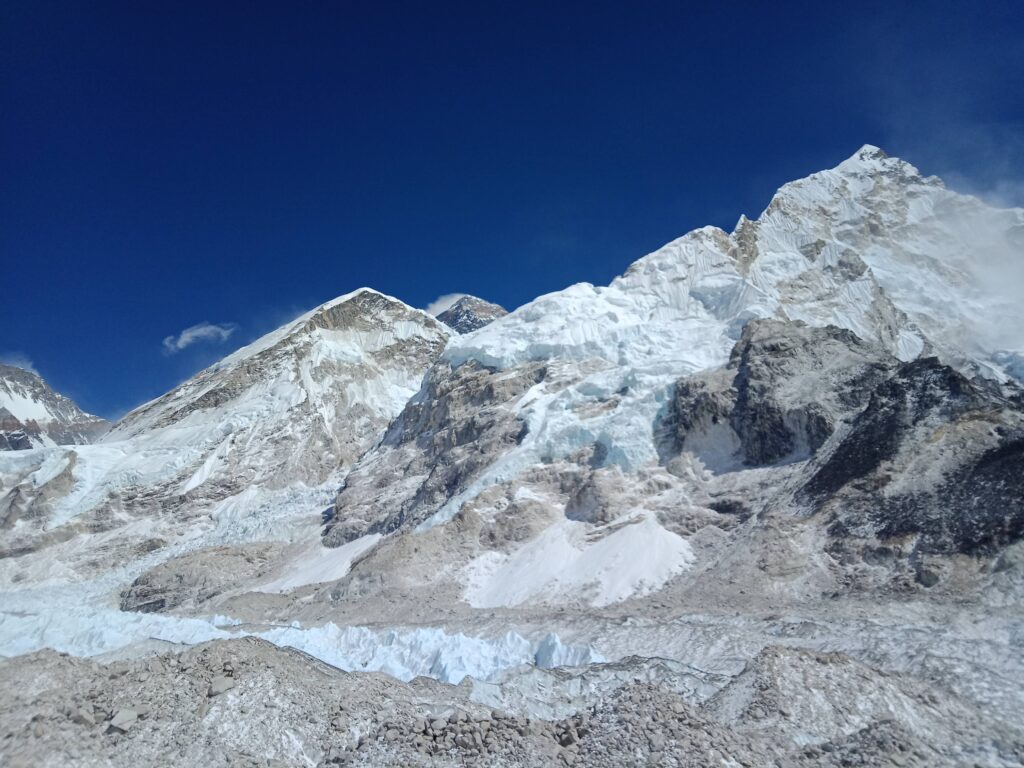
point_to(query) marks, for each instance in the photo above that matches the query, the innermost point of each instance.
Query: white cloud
(18, 360)
(441, 303)
(196, 333)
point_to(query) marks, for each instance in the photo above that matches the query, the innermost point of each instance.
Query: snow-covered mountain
(271, 427)
(871, 245)
(301, 401)
(760, 462)
(587, 375)
(33, 415)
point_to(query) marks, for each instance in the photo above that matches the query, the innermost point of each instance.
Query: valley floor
(651, 681)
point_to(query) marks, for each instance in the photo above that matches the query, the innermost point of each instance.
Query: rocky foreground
(250, 703)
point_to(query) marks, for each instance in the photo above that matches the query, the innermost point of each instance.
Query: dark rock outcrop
(903, 460)
(470, 313)
(446, 436)
(933, 460)
(785, 390)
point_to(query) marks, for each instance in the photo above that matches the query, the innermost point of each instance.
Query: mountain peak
(870, 160)
(469, 314)
(32, 414)
(872, 152)
(361, 305)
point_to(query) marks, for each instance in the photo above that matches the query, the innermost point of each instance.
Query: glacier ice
(64, 622)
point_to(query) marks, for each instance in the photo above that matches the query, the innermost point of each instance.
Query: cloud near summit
(196, 333)
(18, 360)
(441, 303)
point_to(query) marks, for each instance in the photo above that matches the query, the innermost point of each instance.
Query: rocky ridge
(469, 314)
(285, 415)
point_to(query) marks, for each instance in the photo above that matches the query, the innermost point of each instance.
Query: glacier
(65, 622)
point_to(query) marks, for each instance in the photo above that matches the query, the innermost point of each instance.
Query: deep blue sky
(164, 164)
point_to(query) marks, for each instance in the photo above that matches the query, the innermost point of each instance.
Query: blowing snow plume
(200, 332)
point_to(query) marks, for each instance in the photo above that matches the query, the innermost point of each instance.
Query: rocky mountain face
(932, 466)
(756, 502)
(903, 465)
(443, 439)
(32, 415)
(470, 314)
(788, 340)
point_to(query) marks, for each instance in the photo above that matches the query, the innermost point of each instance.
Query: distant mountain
(296, 404)
(470, 314)
(33, 415)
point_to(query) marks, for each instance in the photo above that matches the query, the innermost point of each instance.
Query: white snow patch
(53, 464)
(24, 408)
(315, 564)
(213, 463)
(637, 557)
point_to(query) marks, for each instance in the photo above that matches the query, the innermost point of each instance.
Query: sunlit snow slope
(870, 245)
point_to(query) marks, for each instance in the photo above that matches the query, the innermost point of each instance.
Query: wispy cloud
(441, 303)
(945, 114)
(197, 333)
(18, 360)
(948, 115)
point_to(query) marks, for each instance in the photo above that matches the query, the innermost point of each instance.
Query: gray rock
(219, 685)
(123, 719)
(83, 717)
(786, 388)
(446, 436)
(874, 500)
(194, 578)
